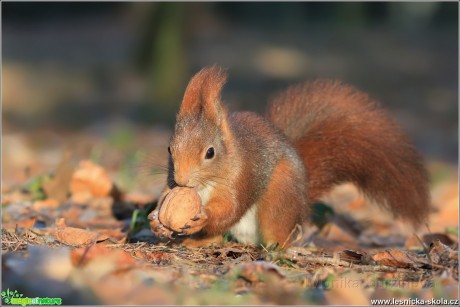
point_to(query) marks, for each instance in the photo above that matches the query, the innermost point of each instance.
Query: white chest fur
(246, 230)
(205, 194)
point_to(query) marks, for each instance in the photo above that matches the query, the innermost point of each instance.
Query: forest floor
(79, 174)
(75, 227)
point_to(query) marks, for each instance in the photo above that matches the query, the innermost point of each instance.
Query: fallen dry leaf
(82, 256)
(91, 178)
(26, 223)
(58, 187)
(445, 198)
(433, 237)
(353, 256)
(76, 236)
(442, 254)
(82, 197)
(256, 271)
(357, 204)
(395, 258)
(49, 203)
(72, 214)
(115, 233)
(343, 292)
(130, 287)
(334, 232)
(156, 257)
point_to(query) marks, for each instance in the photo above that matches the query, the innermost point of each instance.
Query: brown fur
(318, 135)
(203, 91)
(280, 208)
(343, 136)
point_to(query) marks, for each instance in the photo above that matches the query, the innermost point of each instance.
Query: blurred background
(105, 79)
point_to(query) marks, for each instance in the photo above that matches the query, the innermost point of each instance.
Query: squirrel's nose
(182, 179)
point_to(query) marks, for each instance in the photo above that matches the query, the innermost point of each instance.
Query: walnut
(179, 207)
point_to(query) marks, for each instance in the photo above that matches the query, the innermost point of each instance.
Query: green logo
(8, 295)
(16, 298)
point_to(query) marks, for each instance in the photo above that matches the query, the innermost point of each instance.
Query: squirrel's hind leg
(283, 205)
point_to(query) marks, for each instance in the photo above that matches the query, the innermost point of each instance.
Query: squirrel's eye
(209, 153)
(169, 150)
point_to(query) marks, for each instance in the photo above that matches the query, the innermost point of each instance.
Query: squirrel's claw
(195, 224)
(157, 228)
(183, 233)
(184, 230)
(187, 226)
(153, 215)
(172, 236)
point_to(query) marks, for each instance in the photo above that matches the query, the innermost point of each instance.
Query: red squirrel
(257, 176)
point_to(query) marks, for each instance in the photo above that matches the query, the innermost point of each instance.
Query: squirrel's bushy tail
(344, 136)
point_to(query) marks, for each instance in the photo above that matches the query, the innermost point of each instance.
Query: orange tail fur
(344, 136)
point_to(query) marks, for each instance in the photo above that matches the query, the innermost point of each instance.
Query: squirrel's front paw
(157, 228)
(195, 224)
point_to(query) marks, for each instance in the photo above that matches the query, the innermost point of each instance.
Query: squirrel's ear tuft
(203, 94)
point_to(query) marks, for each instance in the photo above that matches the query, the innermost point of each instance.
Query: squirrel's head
(201, 136)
